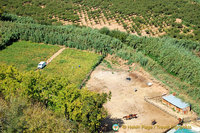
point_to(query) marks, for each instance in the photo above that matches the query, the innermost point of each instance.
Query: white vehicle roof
(42, 62)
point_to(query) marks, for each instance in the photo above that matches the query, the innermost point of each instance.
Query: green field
(67, 65)
(26, 55)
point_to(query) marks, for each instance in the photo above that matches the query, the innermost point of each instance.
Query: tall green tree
(61, 96)
(1, 12)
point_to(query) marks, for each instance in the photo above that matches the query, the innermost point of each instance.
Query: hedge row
(17, 19)
(7, 38)
(70, 36)
(175, 59)
(188, 44)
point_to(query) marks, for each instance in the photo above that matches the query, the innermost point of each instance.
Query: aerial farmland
(100, 66)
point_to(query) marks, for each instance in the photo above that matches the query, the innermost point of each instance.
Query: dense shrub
(174, 58)
(7, 38)
(57, 94)
(1, 12)
(18, 115)
(17, 19)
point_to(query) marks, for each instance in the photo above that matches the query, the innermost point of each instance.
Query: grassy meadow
(26, 55)
(73, 64)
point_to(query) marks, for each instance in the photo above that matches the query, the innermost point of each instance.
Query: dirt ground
(111, 24)
(125, 100)
(55, 55)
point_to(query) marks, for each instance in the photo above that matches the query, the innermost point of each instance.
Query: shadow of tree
(107, 123)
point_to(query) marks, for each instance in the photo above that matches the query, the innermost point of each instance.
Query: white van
(42, 64)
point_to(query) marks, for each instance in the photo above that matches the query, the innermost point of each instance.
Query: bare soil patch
(178, 20)
(55, 55)
(43, 6)
(102, 22)
(125, 100)
(114, 23)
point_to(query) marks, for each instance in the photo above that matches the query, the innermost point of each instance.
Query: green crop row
(159, 13)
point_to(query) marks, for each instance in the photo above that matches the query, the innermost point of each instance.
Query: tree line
(70, 36)
(176, 56)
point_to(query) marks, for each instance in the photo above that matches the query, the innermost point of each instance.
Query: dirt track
(126, 101)
(55, 55)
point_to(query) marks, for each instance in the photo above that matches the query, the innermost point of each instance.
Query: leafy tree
(18, 115)
(57, 94)
(1, 12)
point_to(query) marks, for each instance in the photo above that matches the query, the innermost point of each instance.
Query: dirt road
(55, 55)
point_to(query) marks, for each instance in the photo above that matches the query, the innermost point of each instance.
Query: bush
(7, 38)
(147, 31)
(57, 94)
(104, 30)
(17, 19)
(18, 115)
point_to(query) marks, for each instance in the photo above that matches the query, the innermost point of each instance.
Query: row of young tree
(82, 107)
(158, 13)
(122, 36)
(43, 11)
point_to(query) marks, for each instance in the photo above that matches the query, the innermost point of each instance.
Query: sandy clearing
(125, 101)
